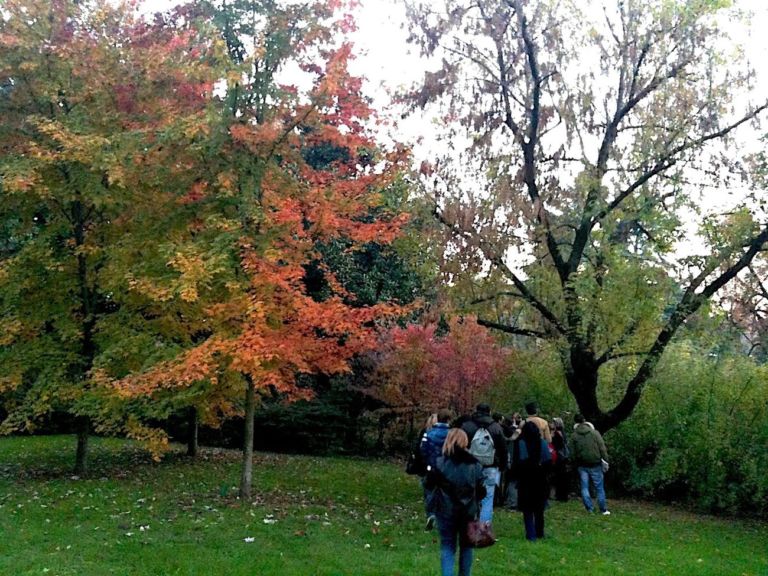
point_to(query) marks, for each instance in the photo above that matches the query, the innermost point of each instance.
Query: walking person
(416, 464)
(561, 472)
(458, 484)
(488, 445)
(512, 427)
(531, 462)
(589, 453)
(431, 448)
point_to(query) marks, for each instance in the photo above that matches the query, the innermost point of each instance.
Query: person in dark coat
(492, 473)
(531, 464)
(561, 472)
(458, 485)
(431, 448)
(512, 428)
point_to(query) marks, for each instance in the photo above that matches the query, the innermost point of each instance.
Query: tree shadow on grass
(52, 457)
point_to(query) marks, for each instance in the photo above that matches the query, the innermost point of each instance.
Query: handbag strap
(474, 490)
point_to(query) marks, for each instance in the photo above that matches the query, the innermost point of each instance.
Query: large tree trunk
(582, 377)
(192, 430)
(250, 410)
(81, 456)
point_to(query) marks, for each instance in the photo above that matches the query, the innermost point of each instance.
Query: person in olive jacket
(588, 453)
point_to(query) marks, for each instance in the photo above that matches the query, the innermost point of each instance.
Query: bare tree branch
(530, 145)
(511, 329)
(490, 254)
(670, 159)
(495, 296)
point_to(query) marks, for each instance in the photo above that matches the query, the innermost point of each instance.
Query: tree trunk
(87, 319)
(81, 457)
(192, 429)
(582, 378)
(250, 411)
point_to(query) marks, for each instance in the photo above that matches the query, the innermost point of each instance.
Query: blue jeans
(491, 478)
(429, 499)
(594, 473)
(449, 532)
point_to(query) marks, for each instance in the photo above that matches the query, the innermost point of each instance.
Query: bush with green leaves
(699, 435)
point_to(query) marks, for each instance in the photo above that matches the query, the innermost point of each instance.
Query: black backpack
(415, 464)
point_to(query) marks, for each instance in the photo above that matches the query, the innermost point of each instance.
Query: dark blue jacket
(431, 446)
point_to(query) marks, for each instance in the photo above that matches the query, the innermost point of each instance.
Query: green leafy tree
(582, 147)
(90, 94)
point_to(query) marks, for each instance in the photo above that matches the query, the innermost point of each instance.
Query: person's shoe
(430, 523)
(606, 512)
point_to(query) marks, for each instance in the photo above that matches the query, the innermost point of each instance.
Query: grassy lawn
(311, 516)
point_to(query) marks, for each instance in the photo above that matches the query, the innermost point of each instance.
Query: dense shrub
(700, 435)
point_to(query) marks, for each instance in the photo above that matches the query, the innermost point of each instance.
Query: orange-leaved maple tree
(258, 211)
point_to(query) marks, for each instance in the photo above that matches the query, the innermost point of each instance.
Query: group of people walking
(470, 462)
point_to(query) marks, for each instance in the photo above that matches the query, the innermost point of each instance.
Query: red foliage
(416, 368)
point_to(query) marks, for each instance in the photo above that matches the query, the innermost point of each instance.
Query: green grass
(311, 516)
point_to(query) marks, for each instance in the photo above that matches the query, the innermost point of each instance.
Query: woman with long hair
(531, 463)
(459, 488)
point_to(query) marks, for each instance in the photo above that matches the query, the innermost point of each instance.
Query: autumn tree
(91, 96)
(263, 205)
(582, 139)
(421, 368)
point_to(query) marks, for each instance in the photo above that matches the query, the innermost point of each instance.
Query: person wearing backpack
(488, 445)
(457, 481)
(431, 448)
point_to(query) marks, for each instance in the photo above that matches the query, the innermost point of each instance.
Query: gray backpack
(482, 447)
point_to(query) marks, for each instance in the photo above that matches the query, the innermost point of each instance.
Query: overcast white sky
(389, 63)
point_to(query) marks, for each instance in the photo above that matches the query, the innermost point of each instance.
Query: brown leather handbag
(478, 534)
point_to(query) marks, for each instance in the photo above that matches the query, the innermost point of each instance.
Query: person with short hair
(458, 485)
(532, 409)
(481, 418)
(588, 453)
